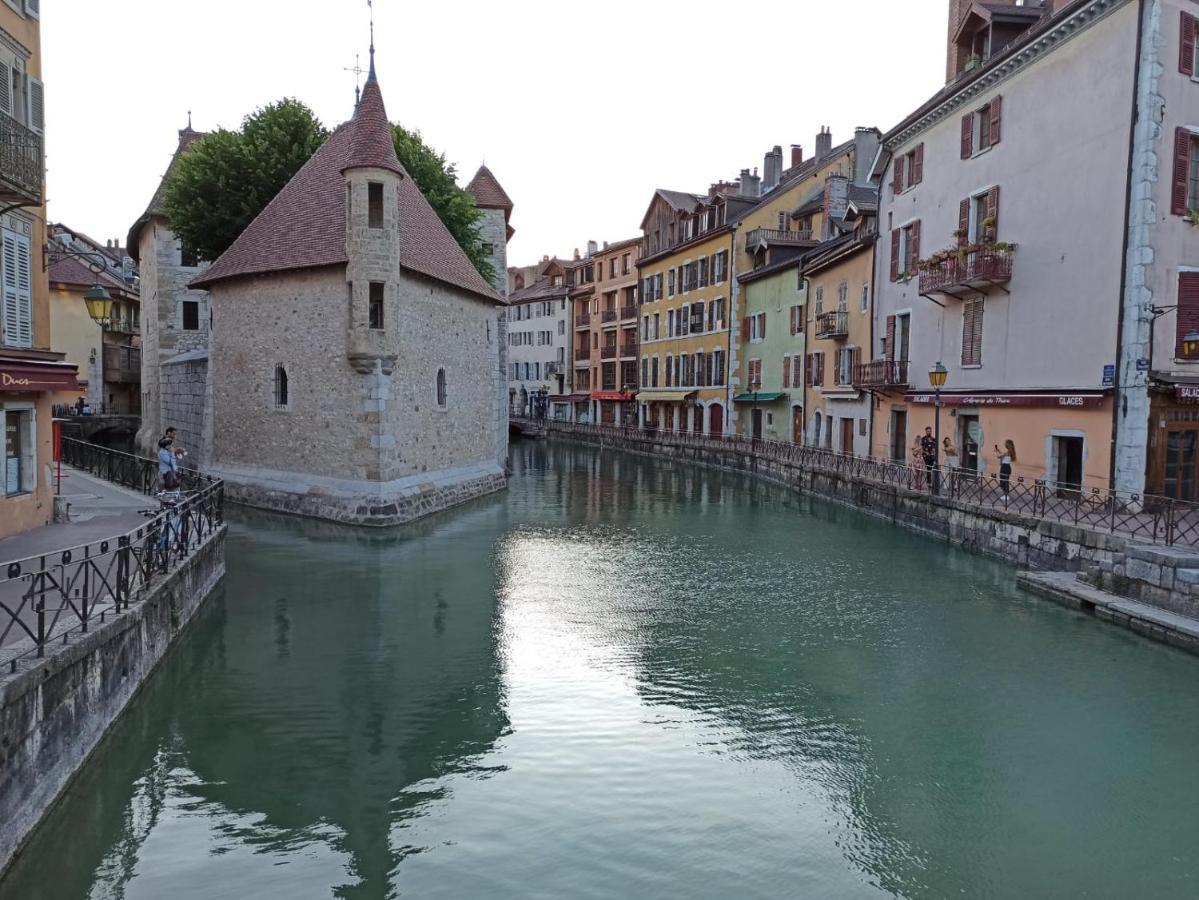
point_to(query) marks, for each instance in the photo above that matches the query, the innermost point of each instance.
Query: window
(376, 305)
(905, 250)
(972, 333)
(20, 448)
(657, 323)
(374, 204)
(1188, 310)
(865, 302)
(753, 328)
(697, 317)
(644, 370)
(187, 256)
(669, 373)
(797, 319)
(653, 372)
(624, 264)
(683, 319)
(191, 315)
(561, 327)
(843, 296)
(754, 374)
(1185, 194)
(670, 283)
(1186, 46)
(281, 393)
(978, 217)
(980, 129)
(670, 323)
(819, 300)
(612, 267)
(717, 367)
(907, 170)
(18, 291)
(441, 392)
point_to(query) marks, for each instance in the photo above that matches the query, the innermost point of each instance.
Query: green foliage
(215, 190)
(454, 206)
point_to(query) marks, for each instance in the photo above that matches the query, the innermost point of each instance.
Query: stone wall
(184, 398)
(1165, 577)
(53, 714)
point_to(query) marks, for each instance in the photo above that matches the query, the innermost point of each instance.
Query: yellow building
(29, 371)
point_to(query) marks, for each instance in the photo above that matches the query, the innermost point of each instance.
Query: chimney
(772, 169)
(796, 155)
(592, 249)
(750, 185)
(865, 149)
(576, 254)
(605, 245)
(824, 143)
(836, 201)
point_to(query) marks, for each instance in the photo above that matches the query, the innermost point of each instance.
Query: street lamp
(936, 377)
(99, 307)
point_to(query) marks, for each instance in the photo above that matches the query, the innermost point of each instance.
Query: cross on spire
(358, 73)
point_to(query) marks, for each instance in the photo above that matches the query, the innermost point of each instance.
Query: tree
(437, 181)
(218, 187)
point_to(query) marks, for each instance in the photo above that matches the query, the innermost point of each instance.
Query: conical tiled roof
(304, 226)
(487, 191)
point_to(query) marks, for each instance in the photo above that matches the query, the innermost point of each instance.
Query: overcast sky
(580, 109)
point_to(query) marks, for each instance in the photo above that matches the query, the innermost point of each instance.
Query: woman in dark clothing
(1007, 456)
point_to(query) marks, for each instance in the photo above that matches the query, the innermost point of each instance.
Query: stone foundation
(368, 503)
(1165, 577)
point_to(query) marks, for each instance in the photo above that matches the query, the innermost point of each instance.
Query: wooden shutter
(964, 221)
(745, 330)
(762, 330)
(967, 135)
(972, 332)
(894, 254)
(808, 369)
(889, 340)
(37, 104)
(18, 290)
(996, 114)
(1186, 45)
(786, 371)
(913, 247)
(5, 84)
(1188, 309)
(1182, 159)
(918, 164)
(897, 175)
(993, 211)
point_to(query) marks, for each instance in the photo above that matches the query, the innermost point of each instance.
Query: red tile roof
(371, 145)
(487, 191)
(304, 225)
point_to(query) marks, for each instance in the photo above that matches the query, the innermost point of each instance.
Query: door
(757, 424)
(668, 418)
(899, 435)
(969, 437)
(797, 425)
(684, 417)
(1069, 462)
(1180, 464)
(716, 419)
(847, 427)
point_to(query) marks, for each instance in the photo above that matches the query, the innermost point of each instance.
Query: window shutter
(1186, 45)
(1188, 308)
(967, 135)
(786, 371)
(745, 330)
(996, 110)
(889, 340)
(964, 221)
(993, 211)
(5, 85)
(913, 247)
(762, 333)
(18, 290)
(894, 254)
(37, 105)
(1182, 159)
(897, 175)
(918, 164)
(972, 332)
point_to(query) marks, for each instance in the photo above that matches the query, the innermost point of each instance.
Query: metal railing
(22, 166)
(48, 597)
(583, 320)
(778, 236)
(988, 266)
(881, 373)
(628, 312)
(832, 324)
(608, 352)
(1155, 519)
(608, 315)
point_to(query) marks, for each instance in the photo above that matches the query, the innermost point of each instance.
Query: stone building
(175, 325)
(354, 368)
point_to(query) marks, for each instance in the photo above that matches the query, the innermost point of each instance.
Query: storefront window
(18, 452)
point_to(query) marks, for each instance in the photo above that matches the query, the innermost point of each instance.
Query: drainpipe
(1118, 398)
(729, 412)
(873, 310)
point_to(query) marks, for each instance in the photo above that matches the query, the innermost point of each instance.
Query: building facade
(538, 344)
(355, 358)
(604, 344)
(30, 372)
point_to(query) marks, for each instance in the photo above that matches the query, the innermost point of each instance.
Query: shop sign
(1068, 401)
(1186, 391)
(36, 379)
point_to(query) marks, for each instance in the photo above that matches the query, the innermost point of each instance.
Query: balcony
(583, 320)
(609, 315)
(881, 373)
(608, 352)
(960, 273)
(22, 167)
(764, 237)
(582, 356)
(122, 326)
(122, 365)
(628, 350)
(628, 312)
(833, 324)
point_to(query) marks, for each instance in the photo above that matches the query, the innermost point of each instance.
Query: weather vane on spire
(358, 73)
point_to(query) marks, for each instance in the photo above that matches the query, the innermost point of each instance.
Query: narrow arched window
(441, 397)
(280, 387)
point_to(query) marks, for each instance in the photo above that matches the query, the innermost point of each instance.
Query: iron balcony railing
(1160, 520)
(628, 312)
(778, 236)
(609, 315)
(22, 165)
(583, 320)
(123, 326)
(628, 349)
(881, 373)
(608, 352)
(967, 270)
(52, 597)
(832, 324)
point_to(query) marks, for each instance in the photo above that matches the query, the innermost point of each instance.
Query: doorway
(716, 419)
(847, 428)
(1180, 464)
(757, 424)
(969, 438)
(797, 425)
(1068, 453)
(899, 435)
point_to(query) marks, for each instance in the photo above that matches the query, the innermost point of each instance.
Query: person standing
(1007, 456)
(949, 453)
(168, 465)
(928, 450)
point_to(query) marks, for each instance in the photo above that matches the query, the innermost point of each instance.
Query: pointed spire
(371, 76)
(371, 145)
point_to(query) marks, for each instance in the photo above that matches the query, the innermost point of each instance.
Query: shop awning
(665, 396)
(761, 397)
(570, 398)
(33, 376)
(611, 395)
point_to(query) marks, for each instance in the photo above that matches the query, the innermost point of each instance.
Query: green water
(628, 679)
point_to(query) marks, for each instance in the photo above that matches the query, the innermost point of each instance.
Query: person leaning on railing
(168, 465)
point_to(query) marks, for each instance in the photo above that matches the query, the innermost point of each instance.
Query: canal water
(625, 678)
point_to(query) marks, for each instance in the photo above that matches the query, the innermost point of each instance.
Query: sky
(580, 109)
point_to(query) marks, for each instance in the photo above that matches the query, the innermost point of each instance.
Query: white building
(539, 340)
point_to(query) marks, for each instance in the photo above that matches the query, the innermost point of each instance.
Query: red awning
(1076, 400)
(30, 376)
(611, 395)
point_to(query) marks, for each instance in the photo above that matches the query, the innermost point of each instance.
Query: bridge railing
(49, 597)
(1146, 517)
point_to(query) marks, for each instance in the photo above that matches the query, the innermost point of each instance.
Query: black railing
(1156, 519)
(137, 472)
(22, 169)
(778, 236)
(49, 597)
(832, 324)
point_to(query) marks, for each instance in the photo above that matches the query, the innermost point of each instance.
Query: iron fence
(126, 469)
(49, 597)
(1146, 517)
